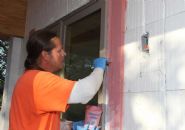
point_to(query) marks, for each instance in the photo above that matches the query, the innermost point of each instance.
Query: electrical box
(144, 42)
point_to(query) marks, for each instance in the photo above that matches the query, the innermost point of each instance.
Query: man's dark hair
(38, 41)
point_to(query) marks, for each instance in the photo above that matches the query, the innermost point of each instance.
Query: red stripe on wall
(115, 75)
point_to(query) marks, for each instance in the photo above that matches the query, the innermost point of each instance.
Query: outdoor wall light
(144, 42)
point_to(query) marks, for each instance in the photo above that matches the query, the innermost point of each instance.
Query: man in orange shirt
(40, 96)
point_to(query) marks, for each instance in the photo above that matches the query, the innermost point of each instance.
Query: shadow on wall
(150, 104)
(147, 111)
(144, 112)
(176, 110)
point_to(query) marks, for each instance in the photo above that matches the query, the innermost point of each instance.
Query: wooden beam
(12, 17)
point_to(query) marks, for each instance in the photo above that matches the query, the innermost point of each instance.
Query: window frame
(77, 14)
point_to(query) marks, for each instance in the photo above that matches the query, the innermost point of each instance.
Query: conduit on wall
(115, 71)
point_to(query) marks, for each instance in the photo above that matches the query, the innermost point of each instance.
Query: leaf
(4, 46)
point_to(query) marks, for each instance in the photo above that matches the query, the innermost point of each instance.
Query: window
(82, 34)
(82, 46)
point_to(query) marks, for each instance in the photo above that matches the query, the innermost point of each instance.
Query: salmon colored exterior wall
(115, 72)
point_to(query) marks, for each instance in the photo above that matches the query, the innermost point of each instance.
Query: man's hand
(100, 63)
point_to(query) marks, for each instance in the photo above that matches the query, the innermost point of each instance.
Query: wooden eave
(12, 17)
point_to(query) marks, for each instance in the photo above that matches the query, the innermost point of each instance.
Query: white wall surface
(154, 81)
(41, 13)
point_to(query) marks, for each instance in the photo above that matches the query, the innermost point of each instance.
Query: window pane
(82, 46)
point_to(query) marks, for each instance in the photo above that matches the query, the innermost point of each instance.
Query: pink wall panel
(115, 75)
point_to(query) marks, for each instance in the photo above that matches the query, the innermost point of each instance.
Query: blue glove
(100, 63)
(78, 123)
(85, 127)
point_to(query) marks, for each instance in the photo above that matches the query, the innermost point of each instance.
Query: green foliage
(3, 60)
(4, 45)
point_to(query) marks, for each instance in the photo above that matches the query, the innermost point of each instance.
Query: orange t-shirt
(37, 101)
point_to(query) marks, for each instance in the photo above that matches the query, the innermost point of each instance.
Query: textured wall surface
(115, 71)
(154, 81)
(41, 13)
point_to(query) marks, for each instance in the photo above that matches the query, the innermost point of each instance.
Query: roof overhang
(12, 18)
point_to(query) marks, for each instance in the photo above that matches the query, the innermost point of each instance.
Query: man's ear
(45, 55)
